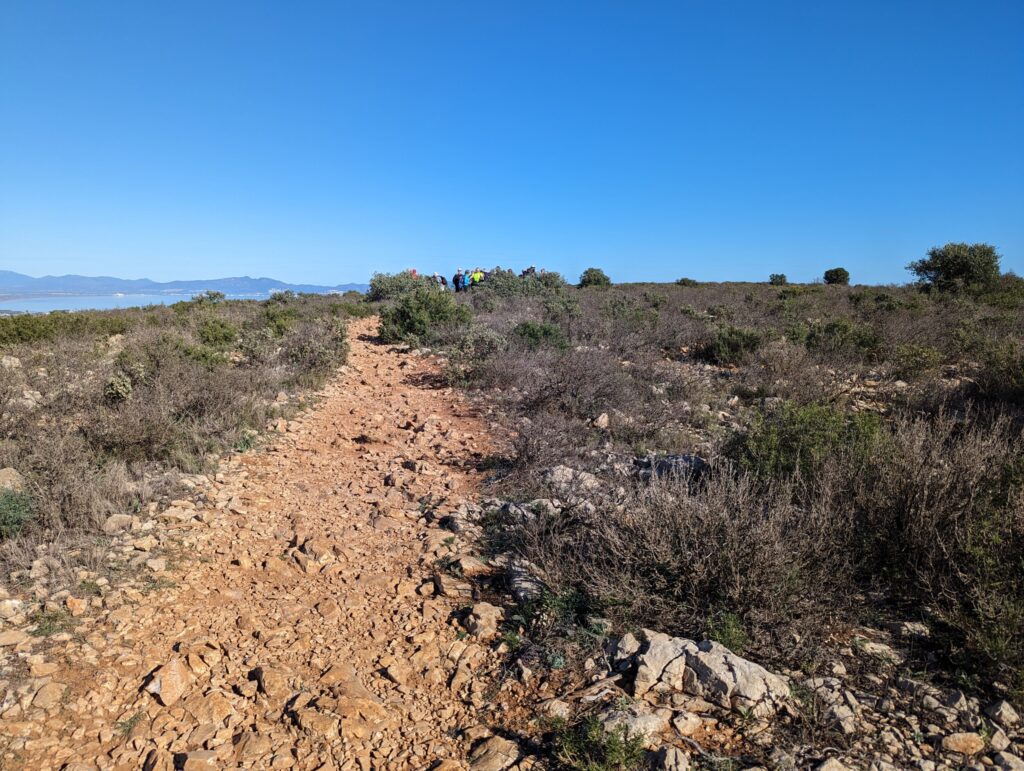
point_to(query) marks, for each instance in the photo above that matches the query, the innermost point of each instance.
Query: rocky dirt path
(298, 625)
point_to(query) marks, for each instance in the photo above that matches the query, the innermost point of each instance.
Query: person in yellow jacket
(477, 276)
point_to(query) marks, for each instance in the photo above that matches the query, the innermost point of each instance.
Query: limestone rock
(483, 620)
(568, 480)
(494, 754)
(49, 695)
(1003, 713)
(170, 682)
(117, 523)
(1008, 762)
(11, 479)
(967, 743)
(639, 720)
(708, 670)
(671, 759)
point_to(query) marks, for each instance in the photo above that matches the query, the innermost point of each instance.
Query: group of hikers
(463, 281)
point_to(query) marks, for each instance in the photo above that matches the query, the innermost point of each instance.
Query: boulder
(170, 682)
(671, 759)
(494, 754)
(11, 479)
(523, 582)
(117, 523)
(639, 720)
(708, 670)
(967, 743)
(1008, 762)
(483, 620)
(567, 480)
(1003, 713)
(10, 362)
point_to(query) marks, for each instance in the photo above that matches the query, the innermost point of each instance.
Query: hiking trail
(293, 620)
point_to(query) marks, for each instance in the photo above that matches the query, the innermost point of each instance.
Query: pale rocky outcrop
(708, 670)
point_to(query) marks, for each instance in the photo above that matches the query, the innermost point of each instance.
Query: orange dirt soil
(295, 622)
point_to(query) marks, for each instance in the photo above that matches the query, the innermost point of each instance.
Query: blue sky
(319, 142)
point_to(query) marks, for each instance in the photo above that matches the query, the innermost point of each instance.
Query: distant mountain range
(17, 284)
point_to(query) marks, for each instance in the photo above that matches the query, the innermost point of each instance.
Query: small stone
(251, 746)
(671, 759)
(12, 637)
(272, 683)
(1008, 762)
(49, 695)
(483, 620)
(601, 421)
(831, 765)
(170, 682)
(1003, 713)
(116, 523)
(11, 479)
(686, 723)
(494, 754)
(76, 606)
(967, 743)
(157, 564)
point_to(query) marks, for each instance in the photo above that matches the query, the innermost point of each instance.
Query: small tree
(958, 268)
(777, 279)
(839, 276)
(594, 277)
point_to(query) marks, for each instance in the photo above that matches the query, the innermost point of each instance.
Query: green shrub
(594, 277)
(1008, 293)
(843, 336)
(587, 746)
(799, 439)
(1001, 375)
(277, 318)
(731, 345)
(840, 276)
(958, 267)
(535, 334)
(419, 316)
(118, 387)
(911, 361)
(45, 327)
(217, 333)
(15, 513)
(687, 282)
(777, 279)
(391, 286)
(503, 283)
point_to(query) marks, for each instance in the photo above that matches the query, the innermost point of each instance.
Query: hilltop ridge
(12, 283)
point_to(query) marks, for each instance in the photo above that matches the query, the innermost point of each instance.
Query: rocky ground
(289, 619)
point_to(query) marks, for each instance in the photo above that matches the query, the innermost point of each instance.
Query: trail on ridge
(298, 626)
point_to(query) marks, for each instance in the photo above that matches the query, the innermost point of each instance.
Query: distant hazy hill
(18, 284)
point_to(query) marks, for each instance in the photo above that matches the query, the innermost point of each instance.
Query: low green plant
(777, 279)
(537, 334)
(799, 438)
(687, 282)
(844, 336)
(731, 345)
(15, 512)
(912, 361)
(589, 746)
(727, 629)
(217, 333)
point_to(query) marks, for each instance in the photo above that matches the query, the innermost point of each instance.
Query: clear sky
(319, 142)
